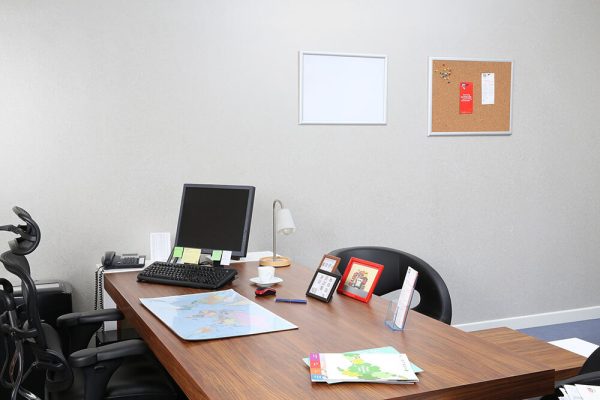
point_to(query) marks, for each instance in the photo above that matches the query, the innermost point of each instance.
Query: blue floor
(588, 330)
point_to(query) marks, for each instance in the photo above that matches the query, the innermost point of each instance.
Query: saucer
(258, 283)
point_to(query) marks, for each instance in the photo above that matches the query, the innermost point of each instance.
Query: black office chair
(123, 370)
(434, 296)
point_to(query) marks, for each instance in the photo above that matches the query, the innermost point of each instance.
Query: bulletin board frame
(342, 89)
(444, 118)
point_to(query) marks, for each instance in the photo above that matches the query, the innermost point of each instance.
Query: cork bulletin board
(470, 97)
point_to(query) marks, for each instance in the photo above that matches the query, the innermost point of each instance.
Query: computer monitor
(215, 217)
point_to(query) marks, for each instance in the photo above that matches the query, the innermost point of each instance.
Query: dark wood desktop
(565, 363)
(457, 365)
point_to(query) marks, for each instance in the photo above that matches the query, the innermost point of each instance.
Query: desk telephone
(113, 261)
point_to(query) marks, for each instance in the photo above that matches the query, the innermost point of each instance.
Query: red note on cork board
(466, 98)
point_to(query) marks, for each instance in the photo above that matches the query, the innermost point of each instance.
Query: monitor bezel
(247, 220)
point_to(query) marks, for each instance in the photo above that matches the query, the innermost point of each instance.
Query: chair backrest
(22, 328)
(434, 296)
(46, 353)
(592, 364)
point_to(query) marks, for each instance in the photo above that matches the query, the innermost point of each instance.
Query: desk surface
(457, 365)
(565, 363)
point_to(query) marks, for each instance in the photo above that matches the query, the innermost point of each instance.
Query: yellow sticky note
(191, 255)
(178, 252)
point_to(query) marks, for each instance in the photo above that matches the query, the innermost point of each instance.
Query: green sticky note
(178, 252)
(216, 255)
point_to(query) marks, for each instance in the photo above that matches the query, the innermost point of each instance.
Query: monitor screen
(215, 217)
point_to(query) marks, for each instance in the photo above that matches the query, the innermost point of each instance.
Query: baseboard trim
(530, 321)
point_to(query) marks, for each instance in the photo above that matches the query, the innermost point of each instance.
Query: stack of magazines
(380, 365)
(580, 392)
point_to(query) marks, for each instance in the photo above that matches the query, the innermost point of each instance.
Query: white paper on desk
(588, 392)
(408, 288)
(160, 246)
(487, 88)
(576, 345)
(572, 392)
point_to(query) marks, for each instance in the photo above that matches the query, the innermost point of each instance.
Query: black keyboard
(190, 275)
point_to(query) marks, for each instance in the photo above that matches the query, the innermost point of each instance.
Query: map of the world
(214, 315)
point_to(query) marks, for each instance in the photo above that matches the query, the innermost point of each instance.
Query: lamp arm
(275, 227)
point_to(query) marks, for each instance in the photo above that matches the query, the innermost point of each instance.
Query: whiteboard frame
(301, 82)
(430, 113)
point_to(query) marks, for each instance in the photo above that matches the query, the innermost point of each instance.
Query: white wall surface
(108, 107)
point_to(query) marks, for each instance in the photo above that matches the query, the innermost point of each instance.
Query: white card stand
(397, 311)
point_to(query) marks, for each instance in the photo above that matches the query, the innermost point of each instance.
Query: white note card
(406, 294)
(487, 88)
(226, 257)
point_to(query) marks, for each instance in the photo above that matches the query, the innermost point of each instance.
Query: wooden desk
(565, 363)
(457, 365)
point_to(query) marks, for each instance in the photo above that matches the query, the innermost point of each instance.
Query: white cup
(266, 274)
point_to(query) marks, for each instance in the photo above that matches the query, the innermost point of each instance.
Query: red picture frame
(360, 279)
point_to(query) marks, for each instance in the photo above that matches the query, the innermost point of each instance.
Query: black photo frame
(322, 285)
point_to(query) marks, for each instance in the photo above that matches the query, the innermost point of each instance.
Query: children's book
(367, 366)
(386, 349)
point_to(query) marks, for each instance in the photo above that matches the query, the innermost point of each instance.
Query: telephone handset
(113, 261)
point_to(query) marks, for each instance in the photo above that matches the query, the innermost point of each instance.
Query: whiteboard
(342, 89)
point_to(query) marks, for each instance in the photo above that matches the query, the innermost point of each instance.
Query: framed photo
(360, 279)
(323, 285)
(329, 263)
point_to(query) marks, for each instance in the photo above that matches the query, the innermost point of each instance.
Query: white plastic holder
(397, 312)
(390, 317)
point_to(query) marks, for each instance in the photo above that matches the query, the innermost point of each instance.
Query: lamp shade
(285, 222)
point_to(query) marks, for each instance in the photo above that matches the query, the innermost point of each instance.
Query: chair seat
(138, 378)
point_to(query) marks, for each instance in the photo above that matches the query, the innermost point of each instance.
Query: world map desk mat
(214, 315)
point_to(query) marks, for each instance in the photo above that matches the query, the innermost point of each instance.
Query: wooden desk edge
(571, 362)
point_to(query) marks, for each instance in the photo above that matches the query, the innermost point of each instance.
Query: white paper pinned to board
(487, 88)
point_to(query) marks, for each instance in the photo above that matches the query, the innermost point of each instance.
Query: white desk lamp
(282, 223)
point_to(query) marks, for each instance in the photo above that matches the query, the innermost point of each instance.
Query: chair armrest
(99, 363)
(76, 329)
(88, 317)
(591, 378)
(91, 356)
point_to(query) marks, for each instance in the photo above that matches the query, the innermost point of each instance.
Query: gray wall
(108, 107)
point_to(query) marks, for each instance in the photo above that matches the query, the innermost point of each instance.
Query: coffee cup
(266, 274)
